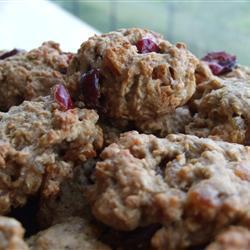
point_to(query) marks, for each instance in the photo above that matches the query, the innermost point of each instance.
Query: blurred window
(203, 25)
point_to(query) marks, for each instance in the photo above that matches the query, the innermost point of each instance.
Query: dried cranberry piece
(220, 62)
(146, 45)
(9, 53)
(62, 97)
(216, 68)
(90, 87)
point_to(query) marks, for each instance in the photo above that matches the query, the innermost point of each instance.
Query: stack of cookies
(131, 143)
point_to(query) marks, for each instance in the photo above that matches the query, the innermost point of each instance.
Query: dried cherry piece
(90, 87)
(62, 97)
(220, 62)
(9, 53)
(146, 45)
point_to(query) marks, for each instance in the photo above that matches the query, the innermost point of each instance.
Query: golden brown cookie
(27, 75)
(132, 74)
(193, 187)
(40, 144)
(222, 110)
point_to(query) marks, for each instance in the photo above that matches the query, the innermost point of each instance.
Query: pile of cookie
(131, 143)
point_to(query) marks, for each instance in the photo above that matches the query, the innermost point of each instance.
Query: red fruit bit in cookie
(90, 86)
(62, 97)
(220, 62)
(9, 53)
(146, 45)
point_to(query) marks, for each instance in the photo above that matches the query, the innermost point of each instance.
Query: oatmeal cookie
(234, 238)
(74, 233)
(133, 74)
(11, 235)
(222, 111)
(39, 146)
(26, 75)
(193, 187)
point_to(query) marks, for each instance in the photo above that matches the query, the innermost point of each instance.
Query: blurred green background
(203, 25)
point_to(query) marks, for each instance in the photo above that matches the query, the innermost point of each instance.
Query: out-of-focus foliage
(203, 25)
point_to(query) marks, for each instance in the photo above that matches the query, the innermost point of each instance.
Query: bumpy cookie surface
(11, 235)
(74, 233)
(191, 186)
(218, 108)
(135, 85)
(234, 238)
(222, 110)
(39, 146)
(27, 75)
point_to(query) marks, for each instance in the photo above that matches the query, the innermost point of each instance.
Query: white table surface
(25, 24)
